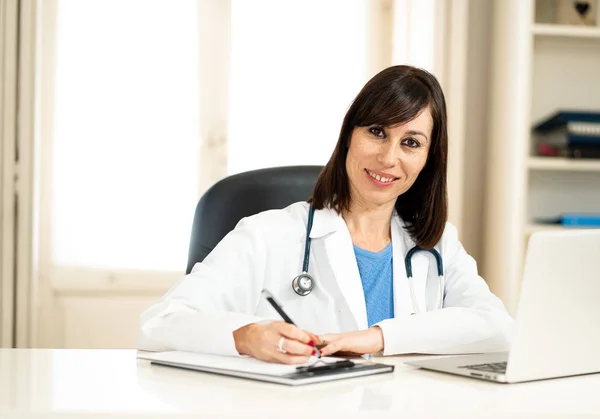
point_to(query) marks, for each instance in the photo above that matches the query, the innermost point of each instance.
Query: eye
(377, 132)
(411, 142)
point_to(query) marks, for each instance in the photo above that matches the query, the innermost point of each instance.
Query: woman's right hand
(261, 341)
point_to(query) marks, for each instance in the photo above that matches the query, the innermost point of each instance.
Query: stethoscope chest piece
(303, 284)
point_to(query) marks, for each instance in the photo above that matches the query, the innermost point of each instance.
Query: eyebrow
(417, 133)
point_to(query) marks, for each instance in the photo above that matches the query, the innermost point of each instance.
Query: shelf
(571, 31)
(531, 228)
(563, 164)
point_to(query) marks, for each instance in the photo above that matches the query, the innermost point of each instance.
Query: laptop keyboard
(497, 367)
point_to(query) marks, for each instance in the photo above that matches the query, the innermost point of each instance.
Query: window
(125, 150)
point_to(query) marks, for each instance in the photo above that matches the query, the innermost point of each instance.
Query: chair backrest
(228, 201)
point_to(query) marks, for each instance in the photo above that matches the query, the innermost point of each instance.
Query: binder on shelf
(573, 134)
(561, 118)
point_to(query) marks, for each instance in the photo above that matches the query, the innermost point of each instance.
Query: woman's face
(384, 162)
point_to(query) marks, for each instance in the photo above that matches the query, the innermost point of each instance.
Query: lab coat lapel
(402, 243)
(342, 260)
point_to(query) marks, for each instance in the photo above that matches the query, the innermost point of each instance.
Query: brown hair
(396, 95)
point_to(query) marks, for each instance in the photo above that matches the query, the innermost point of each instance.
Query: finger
(293, 347)
(292, 332)
(331, 348)
(315, 339)
(327, 339)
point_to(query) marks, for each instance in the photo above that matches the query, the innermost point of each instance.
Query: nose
(389, 154)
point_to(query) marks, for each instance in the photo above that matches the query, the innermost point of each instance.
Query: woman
(382, 193)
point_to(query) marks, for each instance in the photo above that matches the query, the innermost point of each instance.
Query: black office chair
(242, 195)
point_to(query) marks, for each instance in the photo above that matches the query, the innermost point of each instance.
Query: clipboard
(314, 371)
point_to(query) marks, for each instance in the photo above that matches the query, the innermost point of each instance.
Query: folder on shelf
(574, 219)
(314, 371)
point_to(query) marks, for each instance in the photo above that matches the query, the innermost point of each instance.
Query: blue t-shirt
(375, 270)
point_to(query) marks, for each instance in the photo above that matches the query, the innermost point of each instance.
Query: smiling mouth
(380, 178)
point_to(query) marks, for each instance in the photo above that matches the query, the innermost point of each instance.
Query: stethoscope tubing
(311, 216)
(409, 274)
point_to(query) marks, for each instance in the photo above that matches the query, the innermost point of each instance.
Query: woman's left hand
(359, 342)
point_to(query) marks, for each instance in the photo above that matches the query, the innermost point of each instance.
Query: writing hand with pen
(276, 341)
(284, 342)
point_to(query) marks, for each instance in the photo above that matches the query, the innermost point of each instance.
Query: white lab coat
(223, 292)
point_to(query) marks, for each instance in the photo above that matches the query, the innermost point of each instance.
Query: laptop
(557, 324)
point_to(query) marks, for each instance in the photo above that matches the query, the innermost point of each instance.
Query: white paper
(231, 363)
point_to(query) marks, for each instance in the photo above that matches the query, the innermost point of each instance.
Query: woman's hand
(358, 343)
(261, 341)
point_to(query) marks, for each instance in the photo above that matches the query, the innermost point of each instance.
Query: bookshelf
(537, 69)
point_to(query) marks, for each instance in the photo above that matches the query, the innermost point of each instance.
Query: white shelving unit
(551, 29)
(537, 69)
(563, 164)
(531, 228)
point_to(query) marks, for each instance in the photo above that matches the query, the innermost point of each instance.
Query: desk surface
(113, 383)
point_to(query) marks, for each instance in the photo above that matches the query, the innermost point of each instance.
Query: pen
(283, 314)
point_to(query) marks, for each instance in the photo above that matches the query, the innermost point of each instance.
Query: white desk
(112, 383)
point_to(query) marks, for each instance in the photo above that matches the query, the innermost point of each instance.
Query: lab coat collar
(326, 221)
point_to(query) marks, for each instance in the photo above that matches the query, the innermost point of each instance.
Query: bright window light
(296, 66)
(125, 155)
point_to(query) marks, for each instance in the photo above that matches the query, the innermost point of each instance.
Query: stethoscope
(304, 283)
